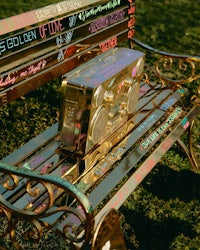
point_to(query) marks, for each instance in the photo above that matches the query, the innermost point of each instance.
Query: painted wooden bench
(43, 185)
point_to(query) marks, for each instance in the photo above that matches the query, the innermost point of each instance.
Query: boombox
(98, 98)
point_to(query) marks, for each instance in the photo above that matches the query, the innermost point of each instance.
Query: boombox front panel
(99, 97)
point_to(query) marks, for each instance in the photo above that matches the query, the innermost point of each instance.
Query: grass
(164, 211)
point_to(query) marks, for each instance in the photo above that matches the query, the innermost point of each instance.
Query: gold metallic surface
(174, 69)
(189, 149)
(99, 98)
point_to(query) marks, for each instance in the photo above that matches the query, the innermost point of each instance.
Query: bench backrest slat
(44, 51)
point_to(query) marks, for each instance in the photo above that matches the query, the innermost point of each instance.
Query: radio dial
(98, 124)
(99, 96)
(132, 97)
(140, 66)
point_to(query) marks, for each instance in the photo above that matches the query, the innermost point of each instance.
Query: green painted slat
(30, 147)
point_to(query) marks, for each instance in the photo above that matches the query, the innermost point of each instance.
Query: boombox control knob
(123, 112)
(140, 66)
(123, 108)
(128, 82)
(98, 124)
(109, 96)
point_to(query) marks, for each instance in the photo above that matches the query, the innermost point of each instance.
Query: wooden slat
(53, 72)
(47, 33)
(32, 65)
(119, 172)
(42, 14)
(123, 193)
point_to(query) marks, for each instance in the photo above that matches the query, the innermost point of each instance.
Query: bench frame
(83, 216)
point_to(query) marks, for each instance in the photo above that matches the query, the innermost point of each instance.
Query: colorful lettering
(131, 33)
(46, 167)
(131, 10)
(32, 69)
(166, 105)
(87, 13)
(185, 123)
(51, 28)
(153, 137)
(65, 38)
(111, 43)
(142, 171)
(131, 22)
(16, 41)
(166, 145)
(106, 21)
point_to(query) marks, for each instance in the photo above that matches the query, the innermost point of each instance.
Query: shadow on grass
(167, 183)
(143, 233)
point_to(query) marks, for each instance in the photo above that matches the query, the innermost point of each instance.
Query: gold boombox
(98, 98)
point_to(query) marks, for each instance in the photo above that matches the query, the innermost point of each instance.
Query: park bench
(74, 189)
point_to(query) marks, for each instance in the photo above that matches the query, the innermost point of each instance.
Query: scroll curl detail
(175, 70)
(48, 202)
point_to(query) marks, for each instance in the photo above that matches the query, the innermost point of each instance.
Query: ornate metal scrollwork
(43, 201)
(174, 69)
(191, 150)
(177, 71)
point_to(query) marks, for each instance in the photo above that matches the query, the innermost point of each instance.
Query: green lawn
(164, 211)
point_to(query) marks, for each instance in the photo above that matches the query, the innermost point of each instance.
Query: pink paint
(131, 22)
(143, 170)
(120, 197)
(64, 169)
(46, 167)
(111, 43)
(9, 80)
(186, 125)
(166, 145)
(40, 208)
(31, 70)
(51, 28)
(131, 33)
(134, 71)
(143, 90)
(131, 10)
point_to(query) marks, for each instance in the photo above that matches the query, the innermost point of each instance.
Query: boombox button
(123, 112)
(128, 82)
(105, 147)
(109, 96)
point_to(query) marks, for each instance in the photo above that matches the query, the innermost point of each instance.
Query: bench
(46, 186)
